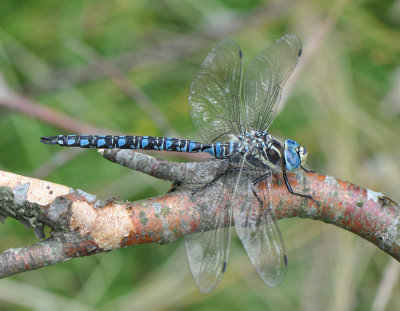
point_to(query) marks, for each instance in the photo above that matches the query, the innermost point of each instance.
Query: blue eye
(292, 159)
(291, 144)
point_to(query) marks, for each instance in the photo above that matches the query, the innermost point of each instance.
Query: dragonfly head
(295, 155)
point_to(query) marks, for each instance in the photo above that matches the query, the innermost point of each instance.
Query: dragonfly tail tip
(51, 140)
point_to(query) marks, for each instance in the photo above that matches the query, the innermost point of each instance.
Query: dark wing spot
(285, 259)
(224, 267)
(240, 53)
(299, 54)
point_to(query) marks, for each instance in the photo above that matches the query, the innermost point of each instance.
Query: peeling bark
(83, 224)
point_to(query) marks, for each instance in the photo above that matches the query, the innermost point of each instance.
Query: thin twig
(28, 107)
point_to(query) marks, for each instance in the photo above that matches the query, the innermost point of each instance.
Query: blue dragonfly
(224, 105)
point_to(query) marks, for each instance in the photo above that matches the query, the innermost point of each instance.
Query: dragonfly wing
(208, 255)
(264, 80)
(208, 249)
(258, 230)
(214, 97)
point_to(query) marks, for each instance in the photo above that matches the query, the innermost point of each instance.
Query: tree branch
(84, 225)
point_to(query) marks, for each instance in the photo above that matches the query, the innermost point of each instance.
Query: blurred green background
(126, 66)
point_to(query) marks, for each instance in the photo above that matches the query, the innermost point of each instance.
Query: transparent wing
(214, 97)
(208, 250)
(258, 230)
(265, 78)
(208, 254)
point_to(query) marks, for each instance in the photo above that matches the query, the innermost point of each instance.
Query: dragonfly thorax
(253, 140)
(261, 149)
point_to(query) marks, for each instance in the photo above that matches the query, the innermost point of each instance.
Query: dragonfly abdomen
(219, 150)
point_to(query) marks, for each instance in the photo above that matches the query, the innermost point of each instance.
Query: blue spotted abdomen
(219, 150)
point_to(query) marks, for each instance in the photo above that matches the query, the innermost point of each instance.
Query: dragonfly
(224, 104)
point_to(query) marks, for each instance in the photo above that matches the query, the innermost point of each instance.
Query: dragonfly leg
(261, 178)
(306, 170)
(229, 170)
(289, 188)
(174, 186)
(256, 195)
(210, 183)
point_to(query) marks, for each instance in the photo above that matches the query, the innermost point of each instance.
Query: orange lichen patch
(159, 219)
(85, 248)
(352, 207)
(188, 214)
(37, 191)
(107, 225)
